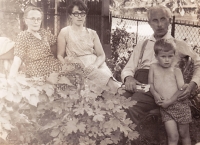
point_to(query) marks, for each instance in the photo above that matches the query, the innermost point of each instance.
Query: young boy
(166, 82)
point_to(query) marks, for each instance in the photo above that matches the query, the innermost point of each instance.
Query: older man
(159, 19)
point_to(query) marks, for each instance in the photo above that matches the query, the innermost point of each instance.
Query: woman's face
(77, 16)
(33, 20)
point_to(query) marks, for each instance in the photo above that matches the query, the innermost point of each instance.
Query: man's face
(159, 22)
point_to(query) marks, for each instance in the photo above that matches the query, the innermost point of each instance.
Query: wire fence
(189, 32)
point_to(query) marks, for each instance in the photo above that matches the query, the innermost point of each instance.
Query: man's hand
(130, 84)
(186, 91)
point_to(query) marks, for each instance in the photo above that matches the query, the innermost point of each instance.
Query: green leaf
(17, 98)
(33, 100)
(50, 124)
(25, 93)
(53, 78)
(127, 121)
(57, 109)
(7, 126)
(43, 98)
(86, 141)
(5, 119)
(9, 96)
(88, 110)
(133, 135)
(3, 134)
(34, 91)
(112, 123)
(48, 88)
(81, 127)
(71, 126)
(125, 129)
(115, 137)
(3, 93)
(78, 111)
(22, 80)
(98, 117)
(65, 80)
(1, 105)
(55, 132)
(106, 141)
(110, 104)
(9, 109)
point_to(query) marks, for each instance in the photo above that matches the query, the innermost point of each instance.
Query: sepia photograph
(99, 72)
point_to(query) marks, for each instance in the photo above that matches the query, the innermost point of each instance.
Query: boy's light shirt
(149, 58)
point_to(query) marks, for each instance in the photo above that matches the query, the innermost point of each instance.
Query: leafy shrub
(122, 43)
(73, 112)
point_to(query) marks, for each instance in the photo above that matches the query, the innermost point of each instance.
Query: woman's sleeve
(21, 46)
(51, 38)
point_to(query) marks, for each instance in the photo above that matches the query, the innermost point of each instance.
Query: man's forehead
(158, 12)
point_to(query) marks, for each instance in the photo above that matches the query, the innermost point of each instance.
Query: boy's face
(165, 59)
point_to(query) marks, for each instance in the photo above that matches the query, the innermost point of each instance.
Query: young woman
(82, 46)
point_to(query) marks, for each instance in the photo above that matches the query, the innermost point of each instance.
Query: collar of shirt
(166, 36)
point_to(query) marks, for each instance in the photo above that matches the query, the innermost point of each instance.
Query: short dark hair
(80, 4)
(164, 45)
(28, 9)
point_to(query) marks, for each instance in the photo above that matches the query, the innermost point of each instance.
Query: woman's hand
(89, 69)
(62, 60)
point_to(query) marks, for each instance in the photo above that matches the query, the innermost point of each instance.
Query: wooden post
(106, 27)
(173, 27)
(56, 19)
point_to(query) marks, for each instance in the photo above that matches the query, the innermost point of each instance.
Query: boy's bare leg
(172, 132)
(184, 134)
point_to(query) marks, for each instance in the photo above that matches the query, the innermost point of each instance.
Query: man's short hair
(159, 7)
(164, 45)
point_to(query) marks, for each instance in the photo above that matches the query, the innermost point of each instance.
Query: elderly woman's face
(33, 20)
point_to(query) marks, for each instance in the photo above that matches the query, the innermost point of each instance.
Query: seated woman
(33, 48)
(82, 46)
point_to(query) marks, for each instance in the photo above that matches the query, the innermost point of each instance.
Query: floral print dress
(36, 54)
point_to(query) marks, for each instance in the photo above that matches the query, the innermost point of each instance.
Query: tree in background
(179, 6)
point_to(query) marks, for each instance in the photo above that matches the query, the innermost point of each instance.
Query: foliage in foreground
(33, 111)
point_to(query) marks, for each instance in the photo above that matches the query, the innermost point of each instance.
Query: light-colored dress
(80, 49)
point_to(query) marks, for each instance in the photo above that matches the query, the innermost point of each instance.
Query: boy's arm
(156, 95)
(180, 84)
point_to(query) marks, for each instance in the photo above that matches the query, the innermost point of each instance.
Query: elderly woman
(82, 46)
(33, 47)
